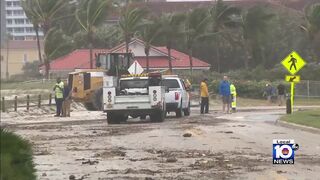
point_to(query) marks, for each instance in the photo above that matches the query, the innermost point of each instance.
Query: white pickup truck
(134, 96)
(177, 97)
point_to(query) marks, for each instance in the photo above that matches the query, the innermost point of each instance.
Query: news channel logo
(283, 151)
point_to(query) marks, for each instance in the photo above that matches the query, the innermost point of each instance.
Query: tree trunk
(36, 29)
(191, 61)
(246, 60)
(91, 56)
(169, 58)
(46, 28)
(146, 50)
(218, 56)
(127, 50)
(248, 54)
(47, 67)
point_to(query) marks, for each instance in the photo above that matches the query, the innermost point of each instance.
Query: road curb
(298, 126)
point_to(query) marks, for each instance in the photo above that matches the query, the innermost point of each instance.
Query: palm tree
(90, 14)
(45, 13)
(312, 25)
(57, 43)
(222, 18)
(196, 26)
(170, 30)
(148, 32)
(129, 23)
(254, 24)
(34, 18)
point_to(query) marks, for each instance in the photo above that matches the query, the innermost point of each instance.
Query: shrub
(16, 157)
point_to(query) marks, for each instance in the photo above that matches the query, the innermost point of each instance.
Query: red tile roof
(180, 60)
(79, 58)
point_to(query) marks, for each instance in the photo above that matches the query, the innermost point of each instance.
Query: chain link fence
(307, 89)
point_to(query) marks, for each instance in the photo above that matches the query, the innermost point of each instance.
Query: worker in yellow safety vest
(58, 89)
(233, 92)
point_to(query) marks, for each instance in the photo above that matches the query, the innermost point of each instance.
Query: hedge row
(247, 89)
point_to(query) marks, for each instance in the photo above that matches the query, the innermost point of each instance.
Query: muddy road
(213, 146)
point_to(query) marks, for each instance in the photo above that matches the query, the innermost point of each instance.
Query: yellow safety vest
(233, 90)
(59, 91)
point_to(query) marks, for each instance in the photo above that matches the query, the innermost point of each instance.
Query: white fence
(307, 89)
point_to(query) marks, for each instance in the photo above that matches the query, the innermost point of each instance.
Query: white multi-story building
(17, 23)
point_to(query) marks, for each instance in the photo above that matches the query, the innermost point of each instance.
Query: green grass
(247, 102)
(27, 85)
(16, 158)
(308, 118)
(243, 102)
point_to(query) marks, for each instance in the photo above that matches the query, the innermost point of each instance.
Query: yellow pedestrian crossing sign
(295, 79)
(293, 62)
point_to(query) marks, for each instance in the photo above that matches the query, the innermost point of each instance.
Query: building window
(19, 21)
(18, 30)
(29, 29)
(18, 12)
(9, 21)
(10, 30)
(16, 3)
(28, 21)
(9, 12)
(9, 4)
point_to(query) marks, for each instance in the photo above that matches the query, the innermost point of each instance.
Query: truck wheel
(158, 116)
(112, 118)
(122, 118)
(187, 110)
(97, 100)
(179, 112)
(89, 106)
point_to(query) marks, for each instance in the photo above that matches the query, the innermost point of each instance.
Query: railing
(307, 89)
(26, 102)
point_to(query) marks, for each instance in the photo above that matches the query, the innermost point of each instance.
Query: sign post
(293, 63)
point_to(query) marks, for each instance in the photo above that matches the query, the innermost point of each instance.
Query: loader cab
(116, 64)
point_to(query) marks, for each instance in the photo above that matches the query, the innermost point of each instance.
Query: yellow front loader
(87, 83)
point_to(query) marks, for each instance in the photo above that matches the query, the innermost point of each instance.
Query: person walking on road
(233, 92)
(281, 94)
(268, 93)
(66, 101)
(58, 89)
(204, 93)
(224, 91)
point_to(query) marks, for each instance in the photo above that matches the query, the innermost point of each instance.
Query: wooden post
(2, 105)
(39, 101)
(28, 101)
(15, 103)
(50, 99)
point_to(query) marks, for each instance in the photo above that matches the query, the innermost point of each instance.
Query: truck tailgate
(132, 99)
(170, 97)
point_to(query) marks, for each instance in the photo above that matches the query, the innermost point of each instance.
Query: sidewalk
(257, 108)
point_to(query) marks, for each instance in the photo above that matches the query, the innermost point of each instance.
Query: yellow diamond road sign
(293, 62)
(295, 79)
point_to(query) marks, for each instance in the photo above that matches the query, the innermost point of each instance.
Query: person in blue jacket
(224, 91)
